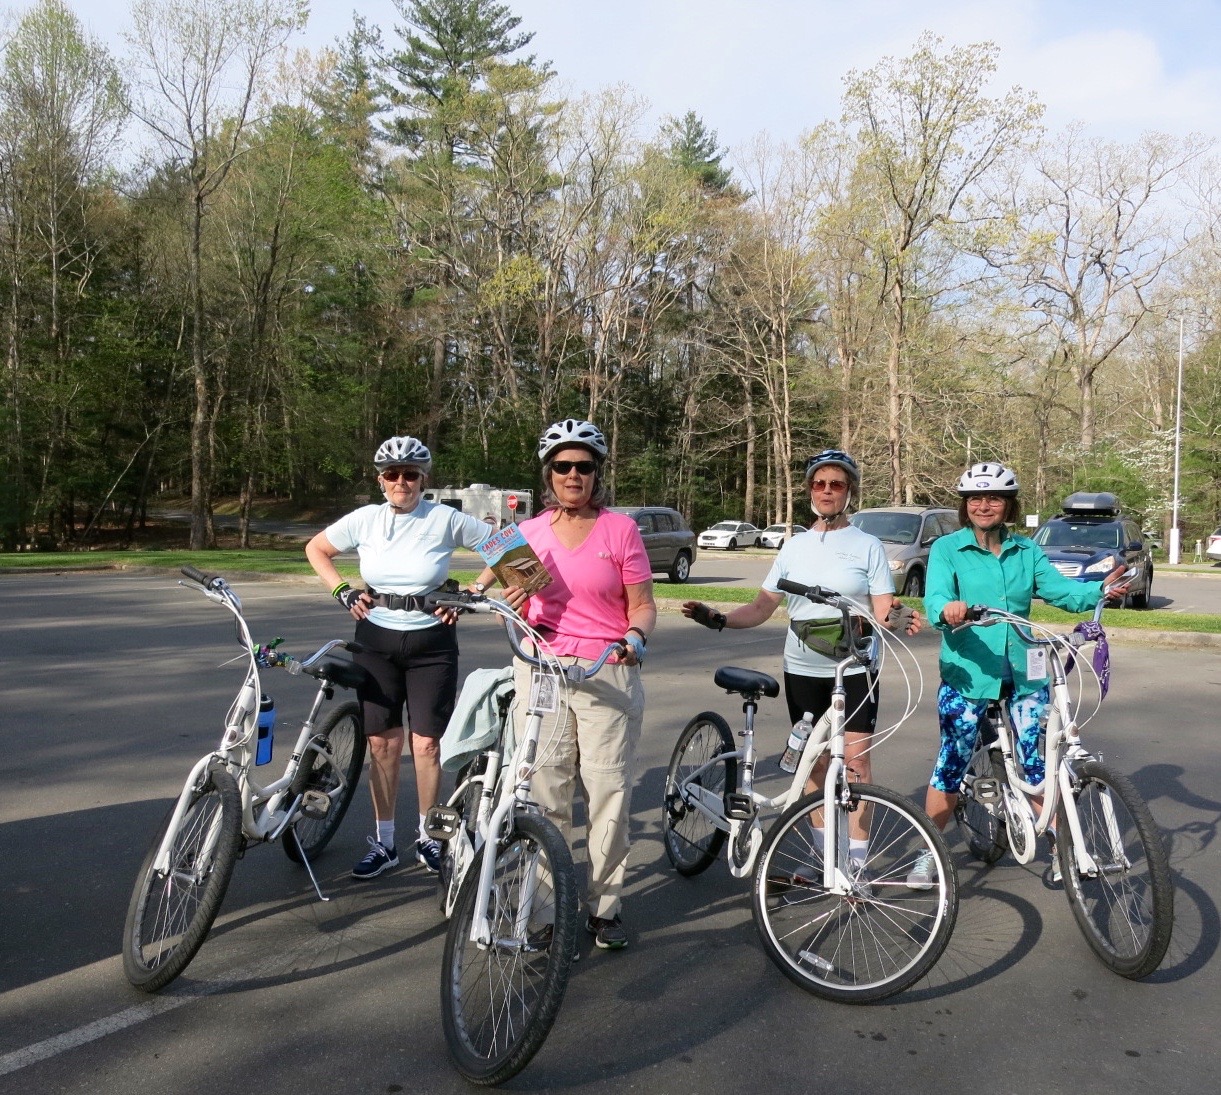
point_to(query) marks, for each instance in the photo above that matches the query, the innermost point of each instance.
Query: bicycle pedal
(441, 822)
(315, 805)
(987, 791)
(739, 807)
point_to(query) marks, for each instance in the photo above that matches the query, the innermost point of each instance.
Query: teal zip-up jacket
(973, 659)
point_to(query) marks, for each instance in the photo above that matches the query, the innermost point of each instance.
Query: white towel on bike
(475, 723)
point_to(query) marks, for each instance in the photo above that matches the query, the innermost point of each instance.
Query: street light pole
(1178, 441)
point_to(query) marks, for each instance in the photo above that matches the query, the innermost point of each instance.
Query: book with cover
(514, 561)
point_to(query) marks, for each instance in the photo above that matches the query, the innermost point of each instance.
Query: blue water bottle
(267, 727)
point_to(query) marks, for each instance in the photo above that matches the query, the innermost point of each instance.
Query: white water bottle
(797, 742)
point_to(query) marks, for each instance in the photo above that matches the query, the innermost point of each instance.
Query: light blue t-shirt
(406, 552)
(847, 561)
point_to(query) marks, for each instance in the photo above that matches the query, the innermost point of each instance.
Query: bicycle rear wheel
(1126, 909)
(170, 915)
(882, 936)
(692, 840)
(498, 1002)
(336, 776)
(982, 825)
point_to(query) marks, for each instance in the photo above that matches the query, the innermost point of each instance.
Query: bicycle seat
(745, 681)
(344, 674)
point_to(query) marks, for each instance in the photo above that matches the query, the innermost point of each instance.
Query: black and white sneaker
(379, 859)
(428, 853)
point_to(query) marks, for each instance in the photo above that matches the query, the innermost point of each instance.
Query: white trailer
(496, 505)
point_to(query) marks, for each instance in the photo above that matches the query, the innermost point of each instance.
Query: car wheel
(914, 586)
(733, 545)
(680, 569)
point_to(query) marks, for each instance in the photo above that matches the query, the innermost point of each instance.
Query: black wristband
(721, 620)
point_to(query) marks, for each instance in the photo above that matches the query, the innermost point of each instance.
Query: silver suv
(907, 533)
(667, 539)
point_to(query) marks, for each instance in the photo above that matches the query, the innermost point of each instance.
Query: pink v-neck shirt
(585, 606)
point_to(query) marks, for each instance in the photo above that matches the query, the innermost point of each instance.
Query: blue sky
(748, 66)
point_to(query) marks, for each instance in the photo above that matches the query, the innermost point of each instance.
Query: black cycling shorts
(813, 694)
(418, 669)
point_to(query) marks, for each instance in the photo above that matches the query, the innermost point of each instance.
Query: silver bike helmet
(403, 450)
(988, 478)
(836, 458)
(571, 431)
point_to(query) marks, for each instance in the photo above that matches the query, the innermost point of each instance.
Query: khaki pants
(592, 743)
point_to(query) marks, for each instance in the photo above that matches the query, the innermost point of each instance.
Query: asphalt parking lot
(113, 687)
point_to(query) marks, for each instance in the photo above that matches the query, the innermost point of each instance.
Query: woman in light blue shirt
(405, 545)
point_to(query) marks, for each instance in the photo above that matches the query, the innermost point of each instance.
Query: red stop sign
(511, 501)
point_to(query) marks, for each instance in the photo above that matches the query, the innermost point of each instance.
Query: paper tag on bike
(1036, 664)
(544, 695)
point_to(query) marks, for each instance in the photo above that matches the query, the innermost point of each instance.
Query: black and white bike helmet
(571, 431)
(403, 450)
(838, 459)
(988, 478)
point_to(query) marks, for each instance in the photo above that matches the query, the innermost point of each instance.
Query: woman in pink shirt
(601, 592)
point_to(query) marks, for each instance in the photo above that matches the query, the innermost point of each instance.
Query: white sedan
(774, 536)
(730, 535)
(1213, 549)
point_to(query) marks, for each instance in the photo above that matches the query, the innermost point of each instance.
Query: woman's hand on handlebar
(955, 613)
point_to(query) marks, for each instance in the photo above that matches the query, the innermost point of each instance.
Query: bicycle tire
(693, 842)
(344, 731)
(982, 829)
(1126, 913)
(498, 1003)
(878, 939)
(169, 917)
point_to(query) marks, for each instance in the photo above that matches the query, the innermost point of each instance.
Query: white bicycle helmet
(403, 450)
(571, 431)
(988, 478)
(836, 458)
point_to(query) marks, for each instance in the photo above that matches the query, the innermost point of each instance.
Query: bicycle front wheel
(693, 840)
(498, 1000)
(335, 776)
(171, 914)
(1125, 908)
(981, 824)
(883, 935)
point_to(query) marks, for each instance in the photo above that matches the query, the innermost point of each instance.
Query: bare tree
(198, 67)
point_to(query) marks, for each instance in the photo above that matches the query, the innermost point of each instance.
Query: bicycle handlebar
(462, 601)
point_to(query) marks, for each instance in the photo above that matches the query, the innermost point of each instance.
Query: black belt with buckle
(398, 602)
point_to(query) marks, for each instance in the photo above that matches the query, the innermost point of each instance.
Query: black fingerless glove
(347, 596)
(702, 614)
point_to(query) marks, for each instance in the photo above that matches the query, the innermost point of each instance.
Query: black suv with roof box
(1084, 541)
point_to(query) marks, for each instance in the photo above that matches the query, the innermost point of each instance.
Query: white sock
(858, 851)
(385, 834)
(423, 835)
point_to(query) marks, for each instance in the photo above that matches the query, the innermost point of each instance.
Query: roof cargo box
(1101, 504)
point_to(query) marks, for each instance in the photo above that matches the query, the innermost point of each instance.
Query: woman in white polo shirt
(405, 545)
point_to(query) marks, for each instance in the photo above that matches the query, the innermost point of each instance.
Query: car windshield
(725, 526)
(774, 528)
(890, 528)
(1072, 534)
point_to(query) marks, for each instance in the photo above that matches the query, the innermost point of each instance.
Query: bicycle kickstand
(292, 834)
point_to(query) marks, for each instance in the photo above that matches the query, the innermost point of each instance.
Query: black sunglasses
(563, 467)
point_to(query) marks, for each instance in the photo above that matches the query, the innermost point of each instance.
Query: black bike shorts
(813, 694)
(416, 669)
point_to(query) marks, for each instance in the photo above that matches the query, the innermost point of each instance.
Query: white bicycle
(222, 807)
(1111, 856)
(508, 884)
(843, 928)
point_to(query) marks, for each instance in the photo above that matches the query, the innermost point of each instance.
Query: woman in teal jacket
(985, 563)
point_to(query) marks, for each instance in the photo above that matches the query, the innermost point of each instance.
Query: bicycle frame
(1063, 746)
(266, 813)
(827, 736)
(501, 797)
